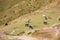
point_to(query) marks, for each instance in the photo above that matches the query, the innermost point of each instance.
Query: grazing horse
(58, 18)
(28, 25)
(31, 26)
(45, 23)
(46, 17)
(6, 24)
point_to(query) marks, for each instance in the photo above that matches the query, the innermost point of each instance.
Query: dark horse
(28, 25)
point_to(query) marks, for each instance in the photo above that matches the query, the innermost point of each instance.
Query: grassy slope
(5, 5)
(22, 7)
(36, 19)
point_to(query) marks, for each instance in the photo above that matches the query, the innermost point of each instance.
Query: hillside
(12, 9)
(31, 20)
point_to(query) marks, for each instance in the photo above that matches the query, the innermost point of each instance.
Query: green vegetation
(18, 8)
(13, 9)
(36, 20)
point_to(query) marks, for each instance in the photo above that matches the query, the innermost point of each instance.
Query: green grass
(11, 11)
(36, 21)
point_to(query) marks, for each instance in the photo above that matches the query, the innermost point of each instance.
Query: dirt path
(18, 37)
(32, 38)
(22, 37)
